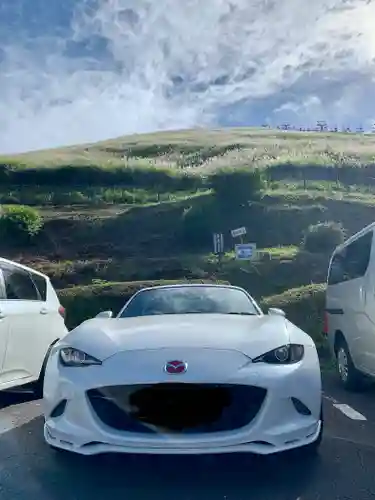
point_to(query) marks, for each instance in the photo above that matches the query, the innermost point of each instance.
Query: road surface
(345, 468)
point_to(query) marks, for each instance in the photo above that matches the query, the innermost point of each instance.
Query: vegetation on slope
(143, 208)
(180, 160)
(304, 306)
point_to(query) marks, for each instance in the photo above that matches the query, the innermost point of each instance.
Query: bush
(19, 221)
(236, 186)
(83, 302)
(323, 237)
(79, 176)
(304, 306)
(199, 221)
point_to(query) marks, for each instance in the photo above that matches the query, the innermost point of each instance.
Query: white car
(184, 369)
(31, 321)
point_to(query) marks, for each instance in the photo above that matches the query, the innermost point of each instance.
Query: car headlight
(284, 355)
(74, 357)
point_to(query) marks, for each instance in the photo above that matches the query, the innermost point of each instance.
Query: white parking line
(349, 412)
(329, 398)
(18, 415)
(6, 424)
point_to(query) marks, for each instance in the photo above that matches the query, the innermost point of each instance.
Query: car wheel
(62, 454)
(349, 376)
(67, 455)
(312, 449)
(309, 450)
(60, 451)
(38, 385)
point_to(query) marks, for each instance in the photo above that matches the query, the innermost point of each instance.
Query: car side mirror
(105, 314)
(275, 311)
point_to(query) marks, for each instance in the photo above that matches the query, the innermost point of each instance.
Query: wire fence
(321, 126)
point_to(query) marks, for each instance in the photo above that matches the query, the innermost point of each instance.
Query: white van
(350, 308)
(31, 321)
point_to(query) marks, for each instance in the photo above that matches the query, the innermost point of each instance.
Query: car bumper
(69, 442)
(277, 426)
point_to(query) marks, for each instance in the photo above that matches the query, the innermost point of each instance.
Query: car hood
(251, 335)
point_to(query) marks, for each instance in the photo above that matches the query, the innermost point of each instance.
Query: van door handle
(43, 311)
(2, 315)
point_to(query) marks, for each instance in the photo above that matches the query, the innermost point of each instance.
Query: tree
(323, 237)
(236, 186)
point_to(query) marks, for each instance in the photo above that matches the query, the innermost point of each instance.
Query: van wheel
(350, 377)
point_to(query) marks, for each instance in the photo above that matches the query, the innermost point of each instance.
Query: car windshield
(190, 300)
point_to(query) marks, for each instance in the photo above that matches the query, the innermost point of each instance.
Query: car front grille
(177, 408)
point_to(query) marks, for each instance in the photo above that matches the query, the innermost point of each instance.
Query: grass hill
(143, 208)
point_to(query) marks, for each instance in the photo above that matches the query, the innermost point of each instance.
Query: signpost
(218, 243)
(218, 239)
(243, 251)
(246, 251)
(241, 231)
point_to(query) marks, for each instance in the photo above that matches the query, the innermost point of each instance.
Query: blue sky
(75, 71)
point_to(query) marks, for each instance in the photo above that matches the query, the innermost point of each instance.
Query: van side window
(358, 256)
(352, 261)
(336, 271)
(18, 284)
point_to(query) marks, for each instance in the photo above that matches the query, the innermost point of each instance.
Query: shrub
(323, 237)
(68, 198)
(199, 221)
(79, 176)
(19, 221)
(304, 306)
(236, 186)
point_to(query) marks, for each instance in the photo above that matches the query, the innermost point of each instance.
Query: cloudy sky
(83, 70)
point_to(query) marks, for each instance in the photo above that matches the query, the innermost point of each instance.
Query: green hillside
(143, 208)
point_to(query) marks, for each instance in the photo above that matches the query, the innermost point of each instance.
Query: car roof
(21, 266)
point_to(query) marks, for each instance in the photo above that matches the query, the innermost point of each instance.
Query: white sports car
(184, 369)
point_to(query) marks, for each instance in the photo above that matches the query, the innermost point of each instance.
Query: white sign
(238, 232)
(246, 251)
(218, 243)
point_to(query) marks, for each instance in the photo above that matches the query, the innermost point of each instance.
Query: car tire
(60, 451)
(61, 454)
(37, 387)
(68, 455)
(312, 449)
(350, 378)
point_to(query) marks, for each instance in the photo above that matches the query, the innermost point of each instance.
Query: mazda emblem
(175, 367)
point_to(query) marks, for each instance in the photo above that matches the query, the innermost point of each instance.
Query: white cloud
(256, 49)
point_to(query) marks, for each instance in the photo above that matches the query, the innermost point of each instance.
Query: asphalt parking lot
(344, 470)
